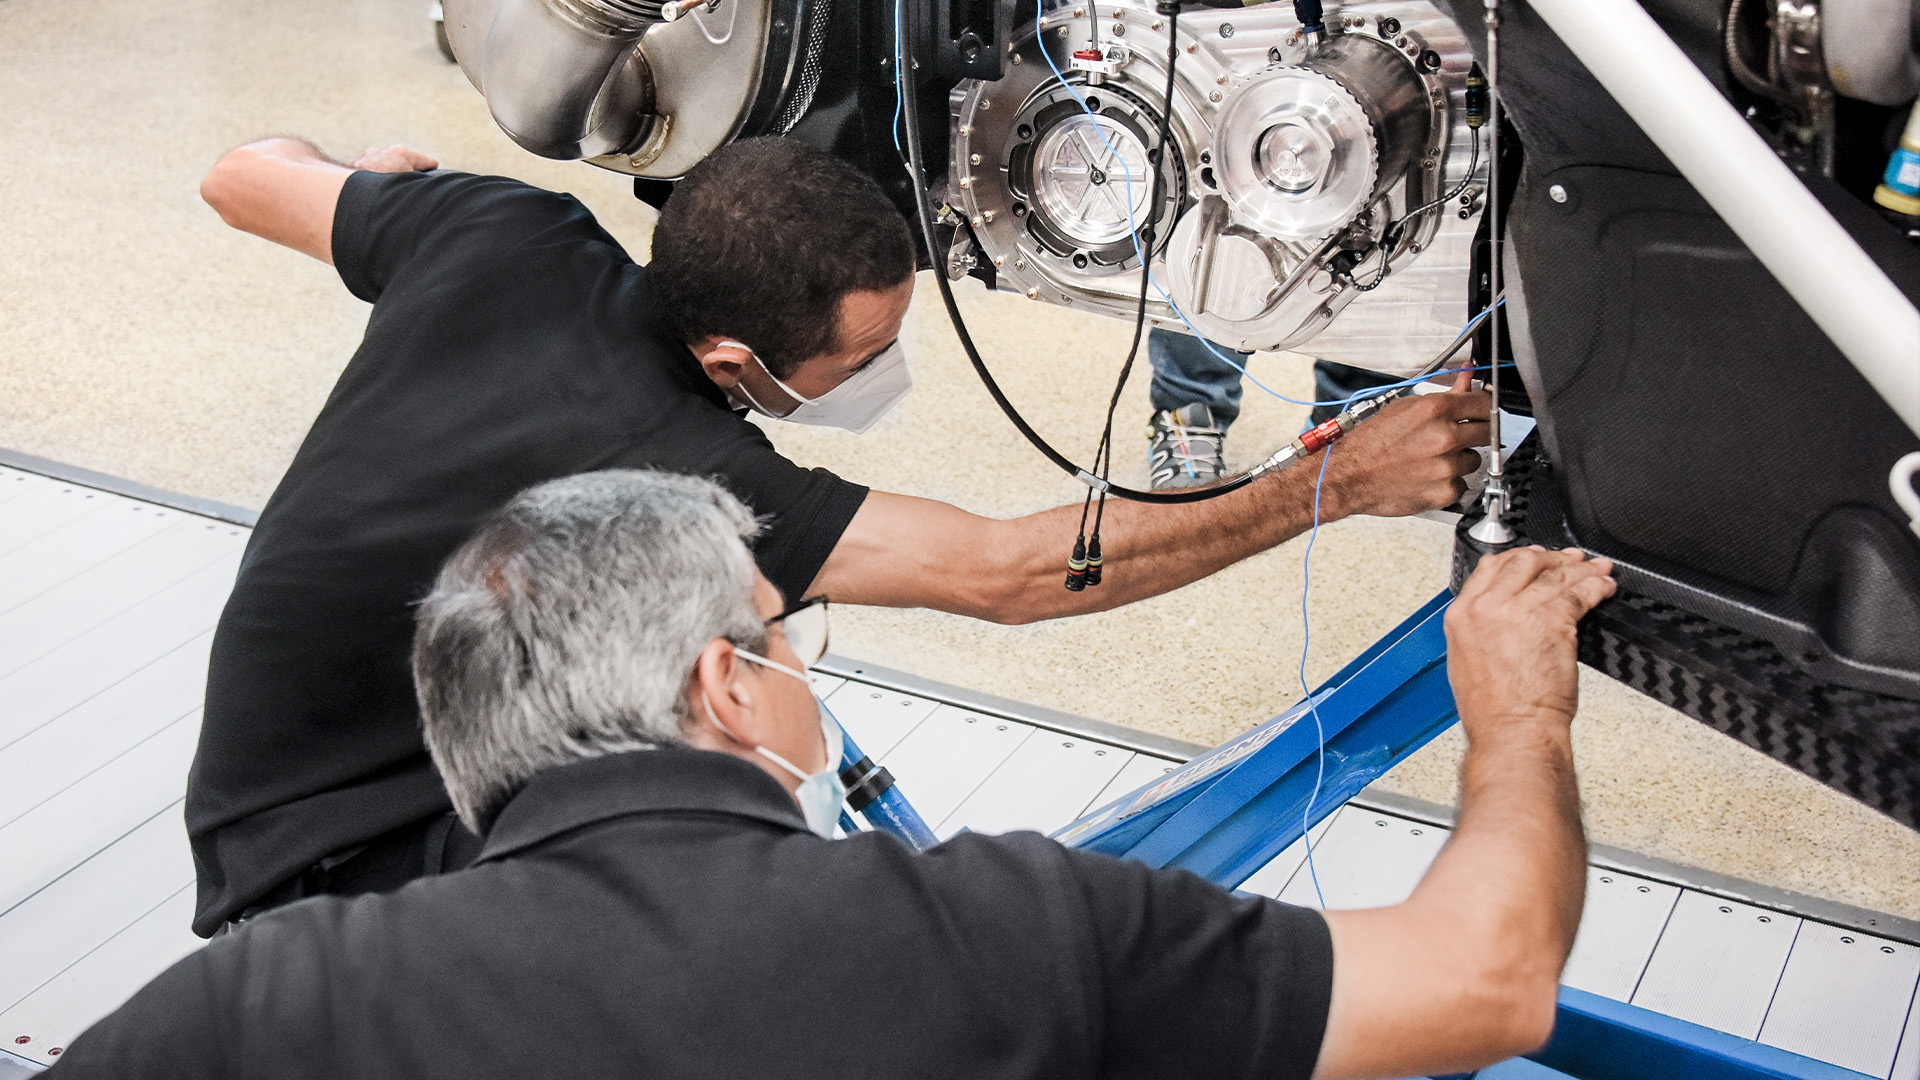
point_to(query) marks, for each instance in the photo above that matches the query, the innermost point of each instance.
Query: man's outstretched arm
(906, 552)
(285, 189)
(1466, 972)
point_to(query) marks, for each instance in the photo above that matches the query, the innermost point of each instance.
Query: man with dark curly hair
(511, 342)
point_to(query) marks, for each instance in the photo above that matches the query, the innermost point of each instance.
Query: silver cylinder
(563, 77)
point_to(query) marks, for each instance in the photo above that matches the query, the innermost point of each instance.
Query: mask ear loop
(761, 750)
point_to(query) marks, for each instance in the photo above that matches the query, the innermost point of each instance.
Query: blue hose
(888, 811)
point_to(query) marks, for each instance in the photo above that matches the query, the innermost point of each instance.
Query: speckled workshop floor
(140, 337)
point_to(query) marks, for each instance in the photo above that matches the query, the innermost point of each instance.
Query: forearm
(1149, 548)
(1518, 848)
(280, 189)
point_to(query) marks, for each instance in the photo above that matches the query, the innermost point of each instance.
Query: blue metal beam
(1229, 811)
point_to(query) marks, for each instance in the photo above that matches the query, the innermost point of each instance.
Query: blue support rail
(1231, 810)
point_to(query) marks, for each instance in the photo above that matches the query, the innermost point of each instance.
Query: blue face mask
(820, 794)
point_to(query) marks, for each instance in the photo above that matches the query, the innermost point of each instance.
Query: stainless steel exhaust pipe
(564, 79)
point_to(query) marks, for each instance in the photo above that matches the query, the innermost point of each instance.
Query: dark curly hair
(762, 240)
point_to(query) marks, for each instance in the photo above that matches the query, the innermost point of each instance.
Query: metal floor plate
(107, 604)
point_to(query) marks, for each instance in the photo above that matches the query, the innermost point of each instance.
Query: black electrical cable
(916, 168)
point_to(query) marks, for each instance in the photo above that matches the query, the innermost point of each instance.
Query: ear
(717, 683)
(722, 363)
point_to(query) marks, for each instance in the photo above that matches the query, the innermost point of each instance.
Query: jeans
(1187, 372)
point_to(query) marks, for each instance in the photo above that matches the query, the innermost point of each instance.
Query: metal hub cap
(1093, 191)
(1294, 157)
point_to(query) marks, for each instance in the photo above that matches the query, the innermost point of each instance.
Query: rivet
(1557, 193)
(1226, 29)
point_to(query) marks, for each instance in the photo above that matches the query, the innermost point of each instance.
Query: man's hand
(394, 159)
(1510, 636)
(1410, 457)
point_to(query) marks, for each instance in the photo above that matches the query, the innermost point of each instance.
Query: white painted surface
(54, 928)
(47, 841)
(1270, 879)
(1843, 998)
(1043, 785)
(1717, 963)
(96, 985)
(1619, 927)
(877, 719)
(950, 755)
(1366, 860)
(1142, 770)
(33, 568)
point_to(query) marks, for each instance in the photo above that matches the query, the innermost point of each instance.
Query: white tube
(1871, 322)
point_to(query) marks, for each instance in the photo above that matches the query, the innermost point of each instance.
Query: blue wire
(1313, 705)
(899, 81)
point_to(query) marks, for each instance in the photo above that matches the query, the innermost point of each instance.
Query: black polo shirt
(666, 914)
(511, 341)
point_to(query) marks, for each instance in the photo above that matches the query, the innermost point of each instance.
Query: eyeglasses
(805, 625)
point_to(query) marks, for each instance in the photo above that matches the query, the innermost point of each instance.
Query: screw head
(987, 214)
(986, 104)
(1226, 29)
(976, 221)
(1079, 13)
(1017, 60)
(1215, 96)
(1273, 55)
(966, 181)
(1557, 193)
(973, 159)
(1033, 293)
(1119, 30)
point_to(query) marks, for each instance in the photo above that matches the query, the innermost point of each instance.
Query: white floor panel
(71, 608)
(877, 719)
(948, 756)
(14, 483)
(1906, 1066)
(1367, 860)
(58, 754)
(1043, 785)
(1843, 998)
(45, 510)
(112, 651)
(51, 930)
(1618, 931)
(47, 841)
(66, 552)
(1272, 878)
(1142, 770)
(1717, 963)
(52, 1015)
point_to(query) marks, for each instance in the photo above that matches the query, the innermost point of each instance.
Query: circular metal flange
(1296, 154)
(1087, 181)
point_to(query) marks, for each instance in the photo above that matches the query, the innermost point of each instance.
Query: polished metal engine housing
(1291, 159)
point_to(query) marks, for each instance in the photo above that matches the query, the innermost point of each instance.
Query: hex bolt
(1557, 193)
(1226, 29)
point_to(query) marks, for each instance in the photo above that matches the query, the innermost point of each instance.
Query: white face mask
(820, 794)
(855, 405)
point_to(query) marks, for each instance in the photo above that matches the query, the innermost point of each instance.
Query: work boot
(1184, 448)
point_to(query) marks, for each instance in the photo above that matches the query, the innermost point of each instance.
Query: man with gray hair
(607, 698)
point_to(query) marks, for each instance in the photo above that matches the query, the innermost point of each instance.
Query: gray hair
(567, 627)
